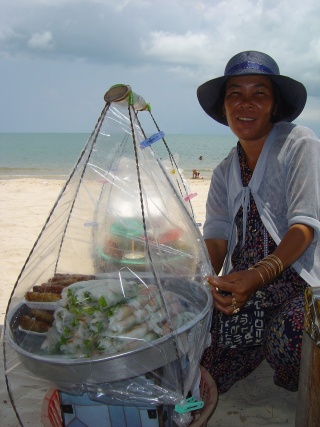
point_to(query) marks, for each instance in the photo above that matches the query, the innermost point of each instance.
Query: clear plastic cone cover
(112, 300)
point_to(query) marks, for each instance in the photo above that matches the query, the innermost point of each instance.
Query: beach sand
(25, 205)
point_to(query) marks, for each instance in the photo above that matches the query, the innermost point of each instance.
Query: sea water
(53, 155)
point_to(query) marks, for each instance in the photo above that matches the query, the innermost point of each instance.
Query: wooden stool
(308, 403)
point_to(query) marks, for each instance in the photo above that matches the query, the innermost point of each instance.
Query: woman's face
(249, 105)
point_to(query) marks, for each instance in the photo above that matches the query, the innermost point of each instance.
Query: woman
(262, 221)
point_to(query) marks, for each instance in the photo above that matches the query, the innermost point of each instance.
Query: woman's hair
(283, 109)
(219, 107)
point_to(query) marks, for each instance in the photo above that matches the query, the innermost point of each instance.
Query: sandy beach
(25, 205)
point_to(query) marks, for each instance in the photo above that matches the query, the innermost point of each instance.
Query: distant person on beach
(198, 176)
(200, 158)
(262, 222)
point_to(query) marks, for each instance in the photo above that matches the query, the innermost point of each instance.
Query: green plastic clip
(191, 405)
(131, 98)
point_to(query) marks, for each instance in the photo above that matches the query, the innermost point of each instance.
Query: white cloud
(312, 111)
(159, 45)
(42, 41)
(189, 48)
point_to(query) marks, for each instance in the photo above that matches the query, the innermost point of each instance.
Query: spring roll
(52, 289)
(44, 315)
(34, 325)
(42, 297)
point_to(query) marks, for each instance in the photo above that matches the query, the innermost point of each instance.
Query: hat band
(248, 66)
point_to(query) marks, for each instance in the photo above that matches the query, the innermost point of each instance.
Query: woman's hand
(232, 291)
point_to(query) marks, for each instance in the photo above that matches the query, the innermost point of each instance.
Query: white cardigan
(285, 186)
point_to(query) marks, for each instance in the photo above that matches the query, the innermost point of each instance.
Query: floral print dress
(283, 305)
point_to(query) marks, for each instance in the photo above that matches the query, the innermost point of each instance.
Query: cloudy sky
(59, 57)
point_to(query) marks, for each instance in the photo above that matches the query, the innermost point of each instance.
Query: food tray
(26, 331)
(66, 370)
(40, 305)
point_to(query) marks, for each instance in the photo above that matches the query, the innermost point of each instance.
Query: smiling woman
(249, 106)
(262, 221)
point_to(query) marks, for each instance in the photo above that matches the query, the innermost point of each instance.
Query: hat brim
(292, 92)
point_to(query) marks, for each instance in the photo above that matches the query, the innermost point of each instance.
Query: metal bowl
(106, 369)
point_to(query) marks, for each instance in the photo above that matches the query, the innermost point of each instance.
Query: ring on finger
(233, 303)
(236, 310)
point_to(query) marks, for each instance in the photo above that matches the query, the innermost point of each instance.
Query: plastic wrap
(312, 314)
(112, 300)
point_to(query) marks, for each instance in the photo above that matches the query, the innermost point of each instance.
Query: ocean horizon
(53, 155)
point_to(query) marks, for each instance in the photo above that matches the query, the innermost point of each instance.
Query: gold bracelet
(269, 265)
(278, 261)
(254, 268)
(261, 264)
(271, 262)
(271, 259)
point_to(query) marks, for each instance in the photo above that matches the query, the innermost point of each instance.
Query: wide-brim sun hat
(293, 94)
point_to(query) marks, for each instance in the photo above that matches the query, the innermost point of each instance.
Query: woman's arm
(217, 249)
(243, 283)
(294, 243)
